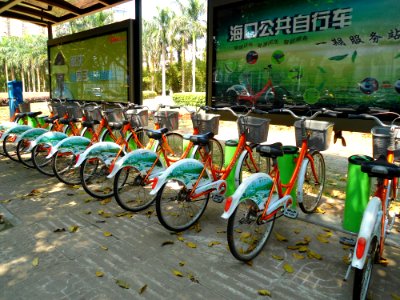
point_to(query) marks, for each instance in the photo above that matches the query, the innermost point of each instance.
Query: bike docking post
(286, 166)
(357, 193)
(229, 151)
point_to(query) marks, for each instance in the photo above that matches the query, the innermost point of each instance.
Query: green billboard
(330, 53)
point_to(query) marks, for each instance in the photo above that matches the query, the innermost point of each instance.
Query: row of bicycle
(115, 155)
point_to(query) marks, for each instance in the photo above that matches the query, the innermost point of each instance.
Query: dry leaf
(73, 229)
(35, 262)
(319, 210)
(193, 279)
(34, 192)
(87, 212)
(302, 243)
(87, 200)
(105, 201)
(221, 231)
(100, 212)
(75, 186)
(297, 231)
(307, 239)
(70, 194)
(99, 274)
(293, 247)
(142, 289)
(182, 263)
(280, 237)
(312, 254)
(303, 249)
(277, 257)
(180, 238)
(346, 259)
(122, 284)
(297, 256)
(395, 296)
(383, 261)
(264, 293)
(106, 233)
(288, 268)
(249, 263)
(213, 243)
(191, 245)
(6, 201)
(322, 239)
(177, 273)
(106, 215)
(104, 248)
(59, 230)
(167, 243)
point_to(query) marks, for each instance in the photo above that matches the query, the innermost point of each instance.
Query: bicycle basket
(206, 122)
(138, 117)
(92, 113)
(74, 111)
(169, 119)
(381, 141)
(320, 134)
(115, 115)
(255, 129)
(24, 107)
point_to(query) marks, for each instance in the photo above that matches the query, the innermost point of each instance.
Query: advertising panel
(326, 53)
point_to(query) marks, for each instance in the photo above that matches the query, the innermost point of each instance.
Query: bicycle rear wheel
(176, 210)
(63, 168)
(313, 185)
(362, 277)
(131, 191)
(246, 234)
(43, 164)
(25, 156)
(175, 142)
(10, 146)
(253, 163)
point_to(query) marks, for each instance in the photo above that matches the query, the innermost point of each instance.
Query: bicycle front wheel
(10, 146)
(93, 176)
(63, 168)
(131, 190)
(25, 156)
(247, 235)
(362, 277)
(176, 210)
(43, 164)
(313, 183)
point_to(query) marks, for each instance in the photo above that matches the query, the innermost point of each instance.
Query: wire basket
(24, 107)
(138, 117)
(115, 115)
(255, 129)
(206, 122)
(168, 119)
(320, 134)
(74, 111)
(92, 113)
(381, 141)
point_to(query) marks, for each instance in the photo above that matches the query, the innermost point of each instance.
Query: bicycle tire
(173, 203)
(217, 154)
(63, 168)
(311, 193)
(131, 191)
(246, 244)
(10, 147)
(24, 156)
(41, 163)
(247, 167)
(362, 277)
(175, 142)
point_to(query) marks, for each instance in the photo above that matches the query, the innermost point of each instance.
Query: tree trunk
(33, 82)
(28, 83)
(23, 81)
(38, 79)
(6, 71)
(194, 64)
(163, 75)
(183, 64)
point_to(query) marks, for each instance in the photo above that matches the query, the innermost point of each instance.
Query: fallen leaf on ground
(193, 279)
(59, 230)
(322, 239)
(213, 243)
(383, 261)
(346, 259)
(106, 233)
(35, 262)
(180, 238)
(104, 248)
(280, 237)
(75, 186)
(264, 293)
(105, 201)
(177, 273)
(395, 296)
(87, 200)
(312, 254)
(182, 263)
(293, 247)
(297, 231)
(297, 256)
(167, 243)
(122, 284)
(277, 257)
(319, 210)
(303, 249)
(99, 274)
(87, 212)
(191, 245)
(288, 268)
(221, 231)
(142, 289)
(73, 229)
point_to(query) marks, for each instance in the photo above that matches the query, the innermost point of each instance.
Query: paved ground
(40, 258)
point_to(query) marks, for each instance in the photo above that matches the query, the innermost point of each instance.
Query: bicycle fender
(300, 180)
(101, 150)
(141, 159)
(256, 187)
(74, 144)
(18, 129)
(7, 125)
(31, 134)
(51, 138)
(238, 163)
(370, 227)
(187, 171)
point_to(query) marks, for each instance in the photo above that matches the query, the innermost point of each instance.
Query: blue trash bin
(14, 95)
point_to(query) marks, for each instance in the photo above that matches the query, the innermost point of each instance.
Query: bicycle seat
(51, 120)
(68, 120)
(381, 168)
(201, 139)
(273, 150)
(118, 125)
(90, 124)
(156, 134)
(20, 115)
(34, 114)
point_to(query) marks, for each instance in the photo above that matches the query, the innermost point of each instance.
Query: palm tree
(151, 50)
(193, 11)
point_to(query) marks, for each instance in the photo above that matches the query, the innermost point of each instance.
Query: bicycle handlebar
(318, 112)
(376, 119)
(230, 109)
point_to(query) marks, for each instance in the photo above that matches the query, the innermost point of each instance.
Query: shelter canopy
(50, 12)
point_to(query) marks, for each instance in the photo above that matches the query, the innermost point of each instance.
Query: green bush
(149, 94)
(189, 99)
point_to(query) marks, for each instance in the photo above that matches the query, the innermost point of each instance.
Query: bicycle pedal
(290, 213)
(218, 198)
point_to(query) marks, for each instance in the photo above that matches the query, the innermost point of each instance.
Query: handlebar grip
(259, 111)
(174, 106)
(354, 116)
(275, 110)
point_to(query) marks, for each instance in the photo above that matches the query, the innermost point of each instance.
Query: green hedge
(189, 99)
(149, 94)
